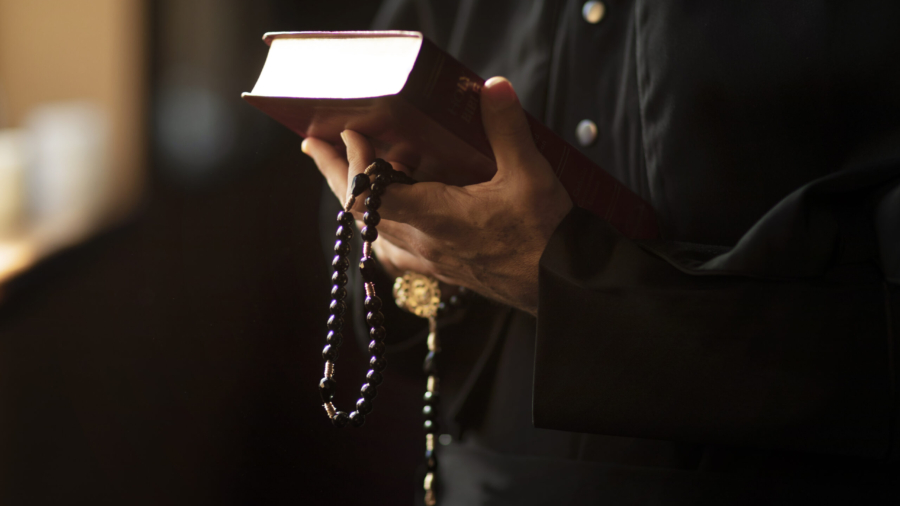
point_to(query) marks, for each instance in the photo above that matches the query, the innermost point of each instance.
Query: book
(420, 107)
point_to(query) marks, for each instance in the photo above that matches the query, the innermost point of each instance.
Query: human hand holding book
(487, 237)
(419, 107)
(475, 220)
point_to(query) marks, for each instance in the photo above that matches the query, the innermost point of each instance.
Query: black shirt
(747, 356)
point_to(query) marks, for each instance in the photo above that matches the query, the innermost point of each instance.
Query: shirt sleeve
(783, 341)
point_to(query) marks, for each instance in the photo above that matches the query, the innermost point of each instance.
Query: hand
(487, 237)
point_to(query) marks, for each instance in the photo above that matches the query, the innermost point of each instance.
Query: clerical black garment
(748, 356)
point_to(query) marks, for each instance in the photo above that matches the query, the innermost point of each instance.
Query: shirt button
(586, 132)
(593, 12)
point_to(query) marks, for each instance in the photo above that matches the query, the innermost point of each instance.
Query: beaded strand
(376, 179)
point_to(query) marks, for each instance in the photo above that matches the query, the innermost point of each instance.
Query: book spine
(448, 92)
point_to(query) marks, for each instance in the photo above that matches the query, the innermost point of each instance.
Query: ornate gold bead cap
(418, 294)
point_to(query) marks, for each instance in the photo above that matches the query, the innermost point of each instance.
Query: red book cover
(434, 122)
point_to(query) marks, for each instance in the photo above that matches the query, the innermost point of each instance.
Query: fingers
(396, 260)
(331, 164)
(507, 127)
(401, 203)
(419, 204)
(399, 234)
(359, 155)
(416, 205)
(337, 170)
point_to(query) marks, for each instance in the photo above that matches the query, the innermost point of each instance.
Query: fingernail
(304, 146)
(499, 93)
(344, 136)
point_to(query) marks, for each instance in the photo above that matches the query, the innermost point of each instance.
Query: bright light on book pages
(337, 67)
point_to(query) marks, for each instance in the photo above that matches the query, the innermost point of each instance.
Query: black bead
(337, 307)
(368, 391)
(373, 303)
(340, 264)
(364, 406)
(376, 349)
(384, 179)
(357, 419)
(369, 234)
(344, 218)
(340, 419)
(330, 352)
(373, 202)
(371, 218)
(374, 377)
(338, 292)
(378, 364)
(429, 412)
(344, 233)
(431, 398)
(430, 426)
(327, 387)
(335, 322)
(375, 319)
(377, 333)
(381, 167)
(342, 247)
(430, 364)
(359, 184)
(377, 188)
(335, 338)
(430, 461)
(367, 268)
(339, 279)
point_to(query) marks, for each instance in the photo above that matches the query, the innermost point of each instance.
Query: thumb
(507, 127)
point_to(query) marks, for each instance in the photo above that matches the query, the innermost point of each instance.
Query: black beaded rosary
(414, 292)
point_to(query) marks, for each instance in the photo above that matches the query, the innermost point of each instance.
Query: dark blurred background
(169, 352)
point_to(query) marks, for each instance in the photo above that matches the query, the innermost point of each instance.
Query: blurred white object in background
(16, 251)
(68, 181)
(12, 180)
(55, 181)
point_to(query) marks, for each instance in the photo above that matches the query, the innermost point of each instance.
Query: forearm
(628, 344)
